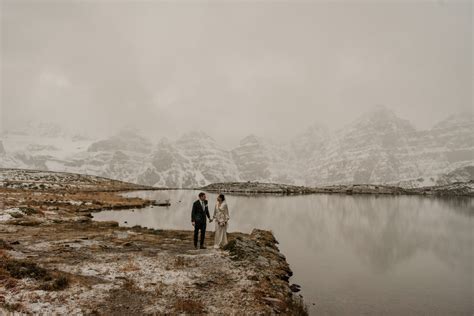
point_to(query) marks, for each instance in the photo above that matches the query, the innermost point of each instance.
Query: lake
(351, 254)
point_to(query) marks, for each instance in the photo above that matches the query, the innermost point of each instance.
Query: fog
(232, 68)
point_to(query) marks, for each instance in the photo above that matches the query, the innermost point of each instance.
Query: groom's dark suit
(198, 216)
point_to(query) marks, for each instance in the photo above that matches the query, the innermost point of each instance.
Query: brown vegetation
(55, 260)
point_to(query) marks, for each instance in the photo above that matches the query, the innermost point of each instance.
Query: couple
(198, 219)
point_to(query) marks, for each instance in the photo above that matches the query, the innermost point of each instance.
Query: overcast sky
(233, 68)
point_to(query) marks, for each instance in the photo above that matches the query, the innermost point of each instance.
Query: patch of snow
(74, 202)
(5, 217)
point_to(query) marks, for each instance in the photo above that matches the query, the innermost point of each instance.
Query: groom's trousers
(199, 227)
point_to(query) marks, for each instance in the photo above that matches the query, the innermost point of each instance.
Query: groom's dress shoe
(203, 247)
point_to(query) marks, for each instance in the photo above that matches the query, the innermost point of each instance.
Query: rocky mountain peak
(380, 119)
(195, 136)
(251, 140)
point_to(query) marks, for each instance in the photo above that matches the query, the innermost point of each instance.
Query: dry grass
(4, 245)
(33, 202)
(13, 308)
(57, 284)
(6, 279)
(130, 266)
(188, 306)
(130, 286)
(180, 262)
(11, 270)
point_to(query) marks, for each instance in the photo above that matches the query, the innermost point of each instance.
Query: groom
(198, 218)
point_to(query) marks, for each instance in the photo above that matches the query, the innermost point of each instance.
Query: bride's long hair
(221, 197)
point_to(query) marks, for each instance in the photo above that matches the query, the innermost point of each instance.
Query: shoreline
(55, 259)
(245, 188)
(461, 189)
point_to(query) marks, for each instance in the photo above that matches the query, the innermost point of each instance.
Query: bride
(221, 215)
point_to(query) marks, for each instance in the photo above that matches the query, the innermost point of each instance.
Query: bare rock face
(195, 159)
(377, 148)
(251, 158)
(260, 160)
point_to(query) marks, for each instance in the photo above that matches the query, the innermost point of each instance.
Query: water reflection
(353, 254)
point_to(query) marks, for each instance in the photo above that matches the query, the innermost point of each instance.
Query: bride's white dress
(221, 216)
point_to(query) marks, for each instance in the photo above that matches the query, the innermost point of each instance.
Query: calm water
(352, 255)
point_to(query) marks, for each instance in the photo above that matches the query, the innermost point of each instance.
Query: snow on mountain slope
(260, 160)
(125, 140)
(111, 164)
(309, 143)
(8, 161)
(36, 142)
(367, 151)
(122, 156)
(195, 159)
(252, 159)
(440, 151)
(34, 147)
(378, 147)
(213, 161)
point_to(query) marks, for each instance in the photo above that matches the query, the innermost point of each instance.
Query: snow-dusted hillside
(378, 147)
(258, 159)
(195, 159)
(367, 151)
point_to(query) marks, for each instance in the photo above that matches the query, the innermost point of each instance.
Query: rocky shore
(455, 189)
(257, 188)
(55, 260)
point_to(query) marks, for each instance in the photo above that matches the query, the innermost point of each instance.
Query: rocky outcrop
(256, 188)
(260, 251)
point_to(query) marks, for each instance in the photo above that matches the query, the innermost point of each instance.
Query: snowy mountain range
(378, 148)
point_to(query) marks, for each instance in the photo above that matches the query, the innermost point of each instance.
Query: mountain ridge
(377, 148)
